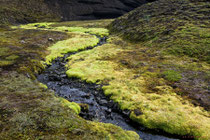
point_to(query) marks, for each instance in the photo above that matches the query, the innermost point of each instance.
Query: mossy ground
(180, 31)
(80, 38)
(173, 38)
(24, 11)
(66, 27)
(137, 76)
(23, 50)
(28, 110)
(141, 79)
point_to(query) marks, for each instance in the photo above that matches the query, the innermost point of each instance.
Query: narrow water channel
(100, 108)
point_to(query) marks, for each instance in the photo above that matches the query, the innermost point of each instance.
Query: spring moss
(6, 62)
(79, 41)
(128, 135)
(162, 108)
(43, 85)
(49, 26)
(46, 116)
(80, 38)
(172, 75)
(74, 106)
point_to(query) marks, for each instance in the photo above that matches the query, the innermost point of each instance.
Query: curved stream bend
(99, 106)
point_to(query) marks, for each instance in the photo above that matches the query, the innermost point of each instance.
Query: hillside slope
(180, 27)
(23, 11)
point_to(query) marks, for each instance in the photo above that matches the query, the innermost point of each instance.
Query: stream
(95, 106)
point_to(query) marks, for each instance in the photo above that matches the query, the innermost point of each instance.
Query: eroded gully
(100, 107)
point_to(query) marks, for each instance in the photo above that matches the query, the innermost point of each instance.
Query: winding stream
(100, 108)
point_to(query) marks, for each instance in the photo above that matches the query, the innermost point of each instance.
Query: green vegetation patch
(23, 50)
(180, 31)
(126, 84)
(46, 116)
(103, 23)
(79, 38)
(172, 75)
(74, 106)
(79, 41)
(51, 26)
(25, 11)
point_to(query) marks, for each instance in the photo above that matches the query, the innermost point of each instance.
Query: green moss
(80, 38)
(161, 108)
(85, 23)
(43, 85)
(22, 50)
(74, 106)
(191, 41)
(172, 75)
(79, 41)
(182, 32)
(12, 57)
(49, 26)
(12, 12)
(6, 62)
(93, 73)
(101, 127)
(4, 51)
(46, 116)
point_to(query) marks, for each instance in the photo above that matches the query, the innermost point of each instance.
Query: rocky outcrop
(93, 9)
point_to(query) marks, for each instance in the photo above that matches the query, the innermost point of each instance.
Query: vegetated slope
(27, 109)
(178, 27)
(24, 11)
(176, 31)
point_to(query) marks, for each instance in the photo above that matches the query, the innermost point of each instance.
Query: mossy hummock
(162, 108)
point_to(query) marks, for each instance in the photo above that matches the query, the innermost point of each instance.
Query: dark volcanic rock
(14, 11)
(93, 9)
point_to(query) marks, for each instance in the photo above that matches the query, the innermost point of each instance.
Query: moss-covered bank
(142, 84)
(28, 110)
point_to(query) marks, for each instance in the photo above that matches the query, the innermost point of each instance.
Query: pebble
(51, 39)
(22, 42)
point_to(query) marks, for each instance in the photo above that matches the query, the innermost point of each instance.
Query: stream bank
(95, 105)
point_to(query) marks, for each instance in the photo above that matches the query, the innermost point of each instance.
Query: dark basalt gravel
(94, 104)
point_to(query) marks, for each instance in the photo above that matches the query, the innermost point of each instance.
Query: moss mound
(178, 27)
(29, 111)
(138, 81)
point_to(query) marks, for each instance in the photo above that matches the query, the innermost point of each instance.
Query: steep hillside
(179, 27)
(93, 9)
(176, 31)
(23, 11)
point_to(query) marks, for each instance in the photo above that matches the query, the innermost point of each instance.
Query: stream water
(91, 96)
